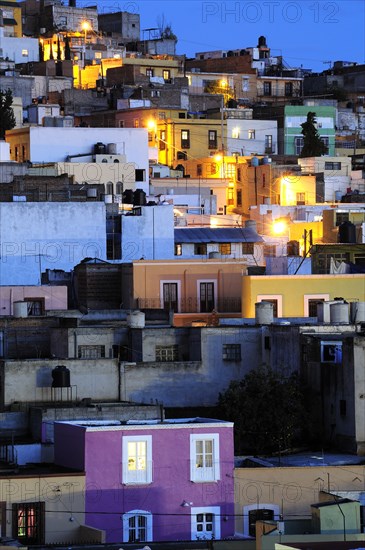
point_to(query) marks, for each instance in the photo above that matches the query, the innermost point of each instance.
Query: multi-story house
(140, 475)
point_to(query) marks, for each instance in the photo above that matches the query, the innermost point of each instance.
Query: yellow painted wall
(17, 15)
(293, 288)
(63, 496)
(296, 232)
(290, 186)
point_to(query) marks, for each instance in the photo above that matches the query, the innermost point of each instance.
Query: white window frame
(278, 297)
(176, 281)
(216, 511)
(308, 297)
(137, 477)
(204, 475)
(215, 282)
(246, 509)
(149, 528)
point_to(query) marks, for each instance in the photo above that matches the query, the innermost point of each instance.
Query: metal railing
(192, 305)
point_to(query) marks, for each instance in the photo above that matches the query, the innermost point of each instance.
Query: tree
(220, 87)
(266, 409)
(67, 48)
(7, 118)
(313, 145)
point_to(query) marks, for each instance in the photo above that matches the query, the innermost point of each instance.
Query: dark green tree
(41, 51)
(7, 118)
(59, 55)
(266, 409)
(67, 48)
(313, 145)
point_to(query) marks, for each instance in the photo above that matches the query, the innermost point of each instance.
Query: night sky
(310, 33)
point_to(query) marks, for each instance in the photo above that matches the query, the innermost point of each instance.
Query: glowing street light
(85, 25)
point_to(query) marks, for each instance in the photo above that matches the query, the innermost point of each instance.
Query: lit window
(212, 139)
(225, 248)
(185, 139)
(149, 72)
(97, 55)
(204, 457)
(251, 134)
(28, 522)
(178, 249)
(236, 133)
(137, 459)
(136, 123)
(25, 53)
(166, 75)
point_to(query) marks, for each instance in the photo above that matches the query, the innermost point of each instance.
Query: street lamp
(85, 25)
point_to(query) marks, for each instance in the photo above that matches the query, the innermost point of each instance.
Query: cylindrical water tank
(128, 196)
(92, 193)
(99, 148)
(338, 196)
(139, 197)
(255, 161)
(264, 313)
(111, 148)
(61, 377)
(357, 310)
(136, 319)
(20, 309)
(108, 199)
(347, 232)
(339, 312)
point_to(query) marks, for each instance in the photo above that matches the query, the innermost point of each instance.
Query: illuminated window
(28, 522)
(212, 139)
(225, 248)
(97, 55)
(236, 133)
(25, 53)
(136, 123)
(137, 459)
(149, 72)
(185, 139)
(251, 134)
(166, 75)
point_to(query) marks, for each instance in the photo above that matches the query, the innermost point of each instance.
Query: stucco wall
(39, 236)
(55, 297)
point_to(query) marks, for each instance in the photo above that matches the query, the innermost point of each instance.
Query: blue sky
(307, 32)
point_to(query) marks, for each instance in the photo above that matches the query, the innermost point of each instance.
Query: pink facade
(163, 481)
(46, 297)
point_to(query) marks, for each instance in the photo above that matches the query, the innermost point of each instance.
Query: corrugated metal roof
(217, 235)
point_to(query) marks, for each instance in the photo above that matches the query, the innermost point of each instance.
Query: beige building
(40, 508)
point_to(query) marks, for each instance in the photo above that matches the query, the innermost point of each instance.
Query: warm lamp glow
(218, 158)
(151, 125)
(223, 83)
(85, 25)
(279, 227)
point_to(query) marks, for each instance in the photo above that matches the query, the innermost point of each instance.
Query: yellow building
(12, 18)
(293, 295)
(40, 508)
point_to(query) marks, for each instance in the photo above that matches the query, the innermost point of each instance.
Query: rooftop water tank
(99, 148)
(339, 312)
(357, 310)
(20, 309)
(61, 377)
(111, 148)
(255, 161)
(136, 319)
(264, 313)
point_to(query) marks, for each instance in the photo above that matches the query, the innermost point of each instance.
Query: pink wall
(55, 297)
(107, 498)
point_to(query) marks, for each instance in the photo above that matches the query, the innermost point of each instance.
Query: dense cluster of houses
(160, 237)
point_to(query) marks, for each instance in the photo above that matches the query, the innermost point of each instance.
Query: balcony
(192, 305)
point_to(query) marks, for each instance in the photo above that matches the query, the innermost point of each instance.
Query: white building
(47, 145)
(19, 50)
(48, 235)
(249, 137)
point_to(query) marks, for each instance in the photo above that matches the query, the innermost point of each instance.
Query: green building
(295, 115)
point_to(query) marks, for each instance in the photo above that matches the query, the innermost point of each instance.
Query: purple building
(153, 480)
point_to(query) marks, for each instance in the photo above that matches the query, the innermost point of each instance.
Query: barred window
(232, 352)
(167, 353)
(91, 352)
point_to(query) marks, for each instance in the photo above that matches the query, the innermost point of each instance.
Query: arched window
(137, 526)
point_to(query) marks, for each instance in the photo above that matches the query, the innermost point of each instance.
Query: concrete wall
(102, 173)
(13, 48)
(55, 297)
(39, 236)
(30, 381)
(149, 236)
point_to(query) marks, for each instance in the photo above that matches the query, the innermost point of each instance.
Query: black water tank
(347, 232)
(262, 42)
(99, 148)
(61, 377)
(139, 198)
(127, 196)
